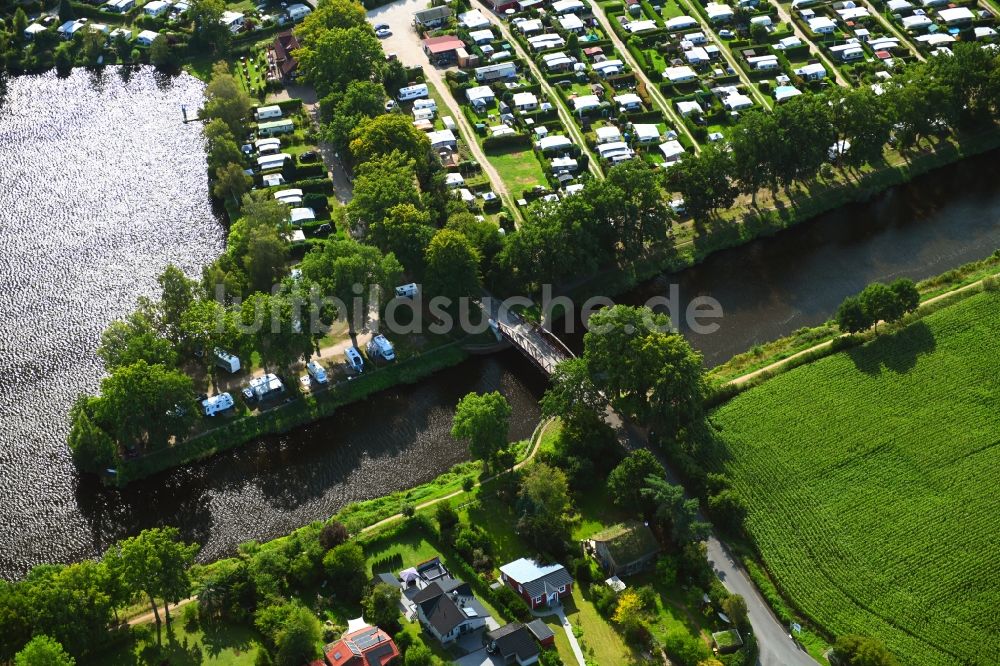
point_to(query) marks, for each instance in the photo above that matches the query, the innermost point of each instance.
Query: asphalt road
(776, 647)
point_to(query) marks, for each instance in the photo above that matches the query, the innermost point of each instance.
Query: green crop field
(872, 476)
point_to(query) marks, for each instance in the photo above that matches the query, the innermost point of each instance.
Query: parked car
(383, 33)
(390, 105)
(248, 394)
(309, 156)
(324, 228)
(726, 34)
(381, 26)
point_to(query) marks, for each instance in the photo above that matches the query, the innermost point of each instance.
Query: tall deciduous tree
(649, 373)
(208, 29)
(452, 266)
(176, 295)
(483, 420)
(298, 640)
(331, 14)
(139, 402)
(275, 330)
(676, 516)
(380, 184)
(545, 507)
(231, 182)
(155, 563)
(390, 132)
(627, 481)
(350, 271)
(705, 181)
(92, 448)
(855, 650)
(136, 338)
(381, 606)
(225, 99)
(339, 56)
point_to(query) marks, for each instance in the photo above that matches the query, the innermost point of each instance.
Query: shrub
(446, 516)
(333, 534)
(189, 615)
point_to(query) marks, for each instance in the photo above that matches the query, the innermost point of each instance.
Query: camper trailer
(407, 290)
(380, 346)
(268, 112)
(317, 372)
(227, 361)
(412, 92)
(354, 359)
(216, 404)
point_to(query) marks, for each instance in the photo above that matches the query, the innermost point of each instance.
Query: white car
(726, 34)
(382, 33)
(390, 105)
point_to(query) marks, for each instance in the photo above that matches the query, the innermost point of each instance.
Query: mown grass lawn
(213, 645)
(519, 169)
(599, 641)
(869, 478)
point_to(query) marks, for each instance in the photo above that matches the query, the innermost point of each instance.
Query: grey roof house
(447, 609)
(513, 643)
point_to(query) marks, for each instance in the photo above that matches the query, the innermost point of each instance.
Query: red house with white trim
(538, 584)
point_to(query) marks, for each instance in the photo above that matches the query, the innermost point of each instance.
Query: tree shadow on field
(898, 352)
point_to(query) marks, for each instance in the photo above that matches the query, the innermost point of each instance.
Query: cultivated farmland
(872, 481)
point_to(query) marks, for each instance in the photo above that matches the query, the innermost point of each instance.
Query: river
(773, 286)
(101, 185)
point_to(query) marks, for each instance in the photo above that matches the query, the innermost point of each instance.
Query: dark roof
(284, 44)
(628, 542)
(446, 610)
(387, 578)
(431, 569)
(439, 587)
(540, 630)
(512, 639)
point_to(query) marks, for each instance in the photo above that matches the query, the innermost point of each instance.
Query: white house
(126, 33)
(267, 112)
(718, 12)
(443, 139)
(899, 5)
(32, 30)
(813, 72)
(70, 28)
(645, 25)
(984, 32)
(571, 23)
(916, 22)
(473, 20)
(146, 37)
(275, 161)
(852, 13)
(564, 164)
(482, 36)
(615, 151)
(956, 16)
(696, 56)
(608, 134)
(937, 39)
(544, 42)
(672, 151)
(555, 62)
(764, 20)
(119, 6)
(686, 108)
(763, 63)
(679, 74)
(822, 25)
(788, 43)
(529, 26)
(232, 20)
(883, 43)
(585, 103)
(298, 216)
(628, 102)
(609, 67)
(524, 101)
(847, 52)
(696, 38)
(646, 133)
(782, 93)
(567, 6)
(680, 23)
(737, 102)
(482, 95)
(156, 8)
(298, 11)
(553, 142)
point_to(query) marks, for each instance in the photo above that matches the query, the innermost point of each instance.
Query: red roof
(443, 44)
(363, 647)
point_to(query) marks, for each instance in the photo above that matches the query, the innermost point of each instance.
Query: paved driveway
(480, 658)
(404, 41)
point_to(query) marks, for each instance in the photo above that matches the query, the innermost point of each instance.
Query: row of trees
(73, 607)
(877, 302)
(772, 150)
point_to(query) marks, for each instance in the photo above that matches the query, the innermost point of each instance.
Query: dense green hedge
(507, 141)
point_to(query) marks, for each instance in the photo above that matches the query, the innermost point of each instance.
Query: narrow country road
(564, 115)
(654, 90)
(775, 645)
